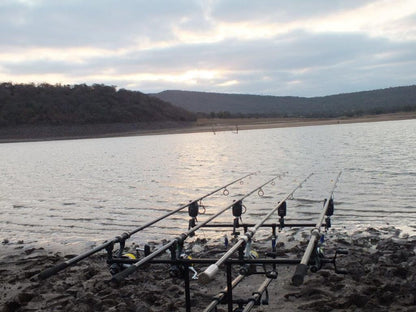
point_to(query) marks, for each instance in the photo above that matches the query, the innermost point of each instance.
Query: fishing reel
(117, 267)
(318, 258)
(248, 269)
(179, 270)
(245, 252)
(124, 260)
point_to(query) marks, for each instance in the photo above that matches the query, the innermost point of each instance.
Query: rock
(280, 244)
(30, 273)
(319, 305)
(90, 272)
(373, 231)
(337, 287)
(360, 300)
(369, 290)
(11, 306)
(374, 240)
(73, 291)
(122, 307)
(401, 271)
(69, 307)
(386, 298)
(401, 255)
(25, 297)
(335, 278)
(109, 302)
(280, 253)
(83, 307)
(361, 242)
(141, 307)
(197, 249)
(315, 293)
(324, 273)
(343, 241)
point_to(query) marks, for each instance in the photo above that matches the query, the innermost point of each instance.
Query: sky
(297, 48)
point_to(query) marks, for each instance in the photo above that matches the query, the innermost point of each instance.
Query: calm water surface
(77, 192)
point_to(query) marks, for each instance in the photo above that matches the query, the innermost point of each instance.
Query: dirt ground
(381, 267)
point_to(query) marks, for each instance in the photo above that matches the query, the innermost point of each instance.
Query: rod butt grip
(206, 276)
(298, 277)
(52, 271)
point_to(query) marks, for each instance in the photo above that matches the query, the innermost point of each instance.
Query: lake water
(77, 192)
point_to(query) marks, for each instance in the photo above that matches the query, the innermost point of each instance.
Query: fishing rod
(328, 209)
(218, 298)
(206, 276)
(181, 238)
(122, 238)
(225, 292)
(259, 293)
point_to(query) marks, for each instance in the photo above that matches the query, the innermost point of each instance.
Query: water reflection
(87, 190)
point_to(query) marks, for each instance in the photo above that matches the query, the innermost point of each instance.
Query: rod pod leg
(229, 288)
(187, 288)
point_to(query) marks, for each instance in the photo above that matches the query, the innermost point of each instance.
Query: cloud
(262, 47)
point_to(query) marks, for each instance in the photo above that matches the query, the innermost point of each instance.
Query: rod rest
(181, 238)
(122, 237)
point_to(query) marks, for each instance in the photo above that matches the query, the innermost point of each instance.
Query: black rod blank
(220, 296)
(257, 295)
(52, 271)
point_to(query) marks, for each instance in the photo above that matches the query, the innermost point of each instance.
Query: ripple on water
(92, 190)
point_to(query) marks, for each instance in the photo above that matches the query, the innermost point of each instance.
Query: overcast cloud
(299, 48)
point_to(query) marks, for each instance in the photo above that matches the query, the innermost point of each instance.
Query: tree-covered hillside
(349, 104)
(45, 104)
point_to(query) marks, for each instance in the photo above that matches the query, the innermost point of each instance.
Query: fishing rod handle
(52, 271)
(206, 276)
(300, 273)
(209, 273)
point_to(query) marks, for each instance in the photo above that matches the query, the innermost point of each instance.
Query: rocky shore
(381, 267)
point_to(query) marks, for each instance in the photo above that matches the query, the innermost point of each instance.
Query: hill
(44, 104)
(388, 100)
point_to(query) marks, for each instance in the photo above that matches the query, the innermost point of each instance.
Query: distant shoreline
(46, 133)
